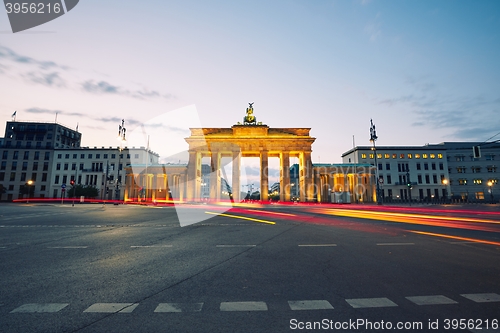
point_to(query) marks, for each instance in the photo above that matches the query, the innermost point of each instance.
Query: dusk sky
(425, 71)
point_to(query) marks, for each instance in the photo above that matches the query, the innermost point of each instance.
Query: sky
(424, 71)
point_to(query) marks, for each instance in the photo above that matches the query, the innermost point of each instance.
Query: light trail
(241, 217)
(467, 239)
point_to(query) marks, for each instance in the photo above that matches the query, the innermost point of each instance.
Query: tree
(81, 190)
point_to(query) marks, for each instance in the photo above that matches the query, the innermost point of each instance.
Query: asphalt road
(94, 268)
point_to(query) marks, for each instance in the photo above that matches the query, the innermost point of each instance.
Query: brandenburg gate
(250, 139)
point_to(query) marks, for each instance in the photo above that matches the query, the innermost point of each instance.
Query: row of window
(26, 155)
(403, 180)
(19, 144)
(461, 158)
(86, 179)
(477, 181)
(33, 188)
(23, 176)
(475, 169)
(403, 156)
(91, 156)
(96, 166)
(24, 166)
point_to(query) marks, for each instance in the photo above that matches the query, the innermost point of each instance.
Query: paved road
(91, 268)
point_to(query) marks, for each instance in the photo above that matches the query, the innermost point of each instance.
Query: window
(460, 158)
(114, 156)
(65, 166)
(23, 177)
(14, 165)
(371, 156)
(44, 177)
(441, 166)
(90, 156)
(33, 176)
(419, 166)
(493, 181)
(427, 179)
(477, 181)
(379, 166)
(2, 176)
(59, 156)
(385, 156)
(462, 181)
(35, 166)
(56, 181)
(394, 155)
(432, 155)
(3, 166)
(419, 177)
(47, 155)
(26, 155)
(37, 155)
(16, 155)
(64, 179)
(73, 166)
(25, 166)
(417, 156)
(97, 155)
(81, 166)
(491, 168)
(433, 166)
(410, 156)
(461, 169)
(489, 157)
(75, 156)
(424, 155)
(440, 155)
(58, 166)
(12, 176)
(45, 166)
(66, 156)
(434, 179)
(426, 166)
(388, 166)
(5, 154)
(378, 155)
(82, 155)
(389, 179)
(106, 156)
(402, 156)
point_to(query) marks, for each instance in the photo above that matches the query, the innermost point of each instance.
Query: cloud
(47, 79)
(9, 54)
(47, 111)
(103, 87)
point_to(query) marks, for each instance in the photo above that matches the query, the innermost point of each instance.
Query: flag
(14, 115)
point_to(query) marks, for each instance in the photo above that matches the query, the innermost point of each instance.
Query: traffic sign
(63, 186)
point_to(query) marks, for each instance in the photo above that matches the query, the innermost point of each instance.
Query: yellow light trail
(241, 217)
(380, 215)
(456, 237)
(275, 213)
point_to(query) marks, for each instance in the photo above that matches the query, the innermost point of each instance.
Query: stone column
(236, 176)
(215, 181)
(319, 186)
(308, 176)
(182, 186)
(191, 176)
(264, 178)
(285, 176)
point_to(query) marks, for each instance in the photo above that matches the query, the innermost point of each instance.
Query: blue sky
(425, 71)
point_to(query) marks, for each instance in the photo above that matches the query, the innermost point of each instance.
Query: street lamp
(30, 182)
(445, 183)
(373, 138)
(121, 137)
(490, 184)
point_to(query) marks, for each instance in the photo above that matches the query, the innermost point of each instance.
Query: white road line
(482, 298)
(316, 245)
(381, 302)
(235, 245)
(67, 247)
(40, 307)
(134, 246)
(310, 305)
(391, 244)
(243, 306)
(431, 300)
(179, 307)
(112, 307)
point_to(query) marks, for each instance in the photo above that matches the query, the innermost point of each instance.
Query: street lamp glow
(490, 183)
(445, 181)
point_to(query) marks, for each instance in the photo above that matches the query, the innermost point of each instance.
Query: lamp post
(445, 183)
(490, 190)
(30, 183)
(373, 138)
(121, 137)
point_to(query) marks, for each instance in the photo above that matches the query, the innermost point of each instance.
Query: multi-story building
(40, 159)
(433, 172)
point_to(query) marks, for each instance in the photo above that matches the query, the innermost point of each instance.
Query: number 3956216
(33, 8)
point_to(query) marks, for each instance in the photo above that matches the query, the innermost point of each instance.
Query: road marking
(243, 306)
(456, 237)
(179, 307)
(391, 244)
(235, 245)
(431, 300)
(381, 302)
(40, 307)
(146, 246)
(67, 247)
(241, 217)
(112, 307)
(316, 245)
(310, 305)
(482, 298)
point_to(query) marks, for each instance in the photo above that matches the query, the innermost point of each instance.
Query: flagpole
(14, 116)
